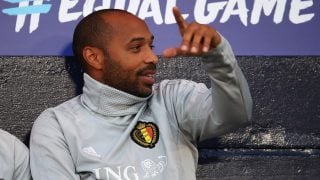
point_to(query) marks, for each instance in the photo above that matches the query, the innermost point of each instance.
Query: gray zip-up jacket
(14, 158)
(108, 134)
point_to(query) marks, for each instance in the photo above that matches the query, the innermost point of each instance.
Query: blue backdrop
(253, 27)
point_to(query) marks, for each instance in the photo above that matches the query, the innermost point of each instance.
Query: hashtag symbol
(24, 8)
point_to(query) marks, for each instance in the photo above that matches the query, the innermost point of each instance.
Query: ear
(94, 57)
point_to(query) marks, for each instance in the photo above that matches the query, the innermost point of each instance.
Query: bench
(283, 141)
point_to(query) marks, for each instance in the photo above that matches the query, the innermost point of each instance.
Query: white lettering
(106, 4)
(154, 11)
(125, 173)
(267, 6)
(89, 6)
(114, 174)
(242, 11)
(21, 17)
(204, 12)
(212, 8)
(34, 21)
(119, 4)
(169, 18)
(97, 173)
(133, 6)
(296, 7)
(64, 16)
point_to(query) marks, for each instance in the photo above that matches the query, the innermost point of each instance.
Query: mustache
(147, 69)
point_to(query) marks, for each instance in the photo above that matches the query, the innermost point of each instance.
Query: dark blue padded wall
(282, 142)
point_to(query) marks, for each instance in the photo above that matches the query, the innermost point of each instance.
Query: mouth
(148, 77)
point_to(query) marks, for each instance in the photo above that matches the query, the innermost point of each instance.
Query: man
(124, 126)
(14, 158)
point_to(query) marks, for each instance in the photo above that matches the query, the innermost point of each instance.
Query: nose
(151, 57)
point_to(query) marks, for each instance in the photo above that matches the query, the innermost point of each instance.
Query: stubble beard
(118, 78)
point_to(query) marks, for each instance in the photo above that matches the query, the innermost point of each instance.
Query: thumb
(170, 52)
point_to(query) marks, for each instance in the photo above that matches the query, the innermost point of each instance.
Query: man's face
(130, 63)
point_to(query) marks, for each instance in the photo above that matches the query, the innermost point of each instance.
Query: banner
(253, 27)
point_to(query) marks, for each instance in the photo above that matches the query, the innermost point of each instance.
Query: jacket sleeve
(205, 113)
(49, 155)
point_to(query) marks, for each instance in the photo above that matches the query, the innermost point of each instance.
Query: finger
(170, 52)
(188, 37)
(197, 39)
(206, 44)
(202, 40)
(182, 24)
(216, 40)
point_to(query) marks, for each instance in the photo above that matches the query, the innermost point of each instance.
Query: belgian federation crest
(145, 134)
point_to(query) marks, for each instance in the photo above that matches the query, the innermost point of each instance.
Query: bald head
(97, 29)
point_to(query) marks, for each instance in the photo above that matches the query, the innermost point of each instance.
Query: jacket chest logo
(145, 134)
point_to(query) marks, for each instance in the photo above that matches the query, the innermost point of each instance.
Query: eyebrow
(140, 39)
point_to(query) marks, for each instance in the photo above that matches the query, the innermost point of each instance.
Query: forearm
(231, 99)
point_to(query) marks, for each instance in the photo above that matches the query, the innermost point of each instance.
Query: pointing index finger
(180, 20)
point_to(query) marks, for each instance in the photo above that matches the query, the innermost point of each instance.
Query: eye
(135, 48)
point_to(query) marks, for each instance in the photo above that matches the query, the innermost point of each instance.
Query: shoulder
(51, 116)
(14, 157)
(6, 139)
(66, 107)
(9, 144)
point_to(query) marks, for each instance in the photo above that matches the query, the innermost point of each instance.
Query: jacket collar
(109, 101)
